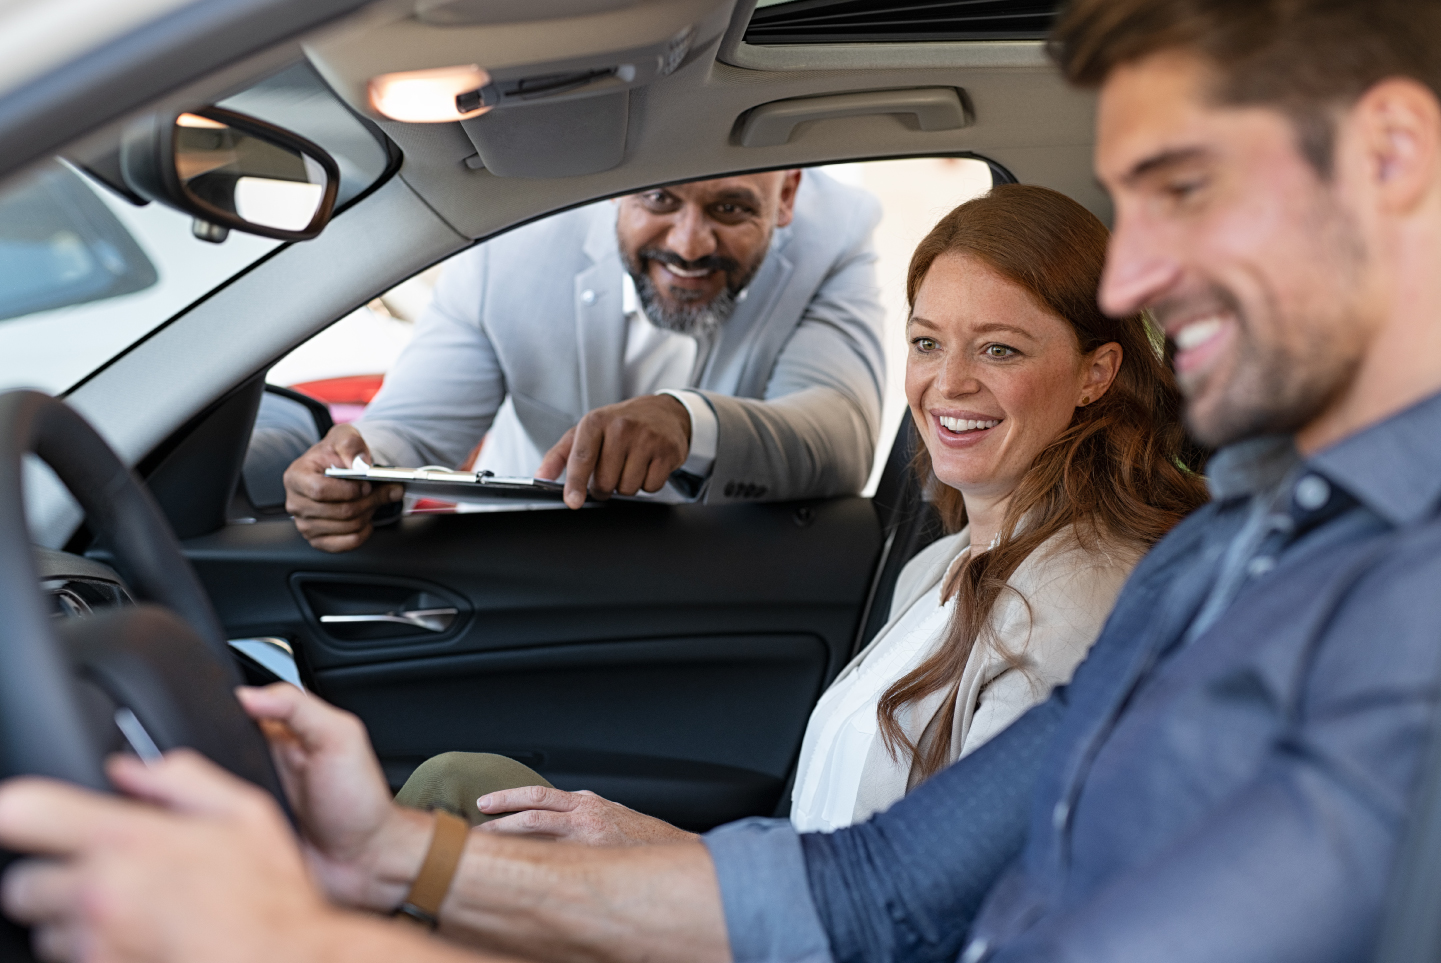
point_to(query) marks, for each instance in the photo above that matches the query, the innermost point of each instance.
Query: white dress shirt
(656, 361)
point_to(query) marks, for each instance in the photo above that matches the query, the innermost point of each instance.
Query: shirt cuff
(769, 913)
(703, 431)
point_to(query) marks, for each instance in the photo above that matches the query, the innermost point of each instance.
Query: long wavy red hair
(1119, 471)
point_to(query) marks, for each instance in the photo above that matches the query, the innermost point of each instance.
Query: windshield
(86, 273)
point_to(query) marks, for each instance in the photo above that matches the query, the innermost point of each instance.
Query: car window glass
(85, 273)
(345, 365)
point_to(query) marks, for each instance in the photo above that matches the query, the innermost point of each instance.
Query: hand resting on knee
(576, 817)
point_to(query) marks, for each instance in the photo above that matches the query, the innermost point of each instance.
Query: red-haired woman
(1054, 451)
(1053, 448)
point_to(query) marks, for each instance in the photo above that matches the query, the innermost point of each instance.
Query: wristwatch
(447, 843)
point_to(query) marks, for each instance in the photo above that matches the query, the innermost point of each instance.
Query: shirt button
(588, 296)
(1060, 814)
(975, 952)
(1312, 492)
(1260, 566)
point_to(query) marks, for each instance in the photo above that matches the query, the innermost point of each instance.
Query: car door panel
(666, 656)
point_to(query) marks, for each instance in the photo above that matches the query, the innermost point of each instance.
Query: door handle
(432, 620)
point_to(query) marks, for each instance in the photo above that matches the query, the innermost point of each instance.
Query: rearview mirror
(232, 171)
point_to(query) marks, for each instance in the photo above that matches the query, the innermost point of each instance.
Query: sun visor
(522, 52)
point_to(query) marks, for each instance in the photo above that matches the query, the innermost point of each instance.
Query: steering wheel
(159, 668)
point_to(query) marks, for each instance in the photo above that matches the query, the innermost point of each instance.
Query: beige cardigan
(1068, 592)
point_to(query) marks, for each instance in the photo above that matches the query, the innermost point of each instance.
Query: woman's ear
(1100, 370)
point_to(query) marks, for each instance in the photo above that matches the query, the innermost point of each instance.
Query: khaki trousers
(453, 781)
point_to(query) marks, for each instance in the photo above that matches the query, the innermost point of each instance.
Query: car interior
(665, 656)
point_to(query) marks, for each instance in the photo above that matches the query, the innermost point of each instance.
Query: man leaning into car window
(716, 339)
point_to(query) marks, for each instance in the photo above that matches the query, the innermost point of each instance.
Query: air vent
(888, 21)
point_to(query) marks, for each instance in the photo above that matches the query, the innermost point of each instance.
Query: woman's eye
(924, 344)
(999, 351)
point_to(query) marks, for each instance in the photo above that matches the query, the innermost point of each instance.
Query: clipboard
(447, 484)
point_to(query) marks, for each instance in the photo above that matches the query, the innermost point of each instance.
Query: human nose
(957, 377)
(1138, 268)
(691, 234)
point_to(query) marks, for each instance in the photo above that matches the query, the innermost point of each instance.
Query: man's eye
(1184, 190)
(999, 351)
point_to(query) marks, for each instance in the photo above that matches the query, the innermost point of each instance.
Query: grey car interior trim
(927, 108)
(37, 118)
(227, 336)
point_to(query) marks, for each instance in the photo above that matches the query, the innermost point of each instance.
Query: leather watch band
(422, 905)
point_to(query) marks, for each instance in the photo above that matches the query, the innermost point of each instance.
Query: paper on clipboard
(432, 481)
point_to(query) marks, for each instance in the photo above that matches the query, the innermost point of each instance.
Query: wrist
(395, 857)
(679, 408)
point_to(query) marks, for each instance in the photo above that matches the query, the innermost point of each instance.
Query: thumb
(348, 442)
(554, 461)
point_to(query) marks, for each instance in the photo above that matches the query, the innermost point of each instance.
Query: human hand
(625, 447)
(364, 849)
(575, 817)
(199, 865)
(333, 514)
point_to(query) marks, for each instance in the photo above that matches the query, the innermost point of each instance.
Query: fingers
(625, 448)
(334, 514)
(38, 889)
(52, 818)
(528, 797)
(555, 460)
(532, 822)
(185, 781)
(315, 724)
(586, 440)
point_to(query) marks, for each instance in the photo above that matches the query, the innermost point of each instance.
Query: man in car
(719, 335)
(1227, 775)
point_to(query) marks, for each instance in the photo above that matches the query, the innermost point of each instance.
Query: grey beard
(700, 321)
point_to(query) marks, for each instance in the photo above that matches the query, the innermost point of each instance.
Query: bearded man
(719, 339)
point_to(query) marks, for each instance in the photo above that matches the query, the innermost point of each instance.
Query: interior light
(427, 96)
(195, 120)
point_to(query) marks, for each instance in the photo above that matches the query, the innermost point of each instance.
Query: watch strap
(447, 844)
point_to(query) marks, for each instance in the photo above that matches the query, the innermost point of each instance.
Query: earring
(1086, 400)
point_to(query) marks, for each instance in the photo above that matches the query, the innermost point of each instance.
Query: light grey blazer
(795, 377)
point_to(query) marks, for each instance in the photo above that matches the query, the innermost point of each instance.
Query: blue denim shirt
(1224, 778)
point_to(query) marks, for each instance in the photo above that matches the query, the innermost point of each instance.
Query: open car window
(86, 273)
(344, 366)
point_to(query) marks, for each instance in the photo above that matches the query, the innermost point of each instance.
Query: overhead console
(551, 102)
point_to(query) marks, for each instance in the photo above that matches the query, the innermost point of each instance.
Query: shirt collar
(1394, 466)
(1250, 467)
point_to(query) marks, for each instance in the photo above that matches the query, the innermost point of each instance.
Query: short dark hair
(1305, 58)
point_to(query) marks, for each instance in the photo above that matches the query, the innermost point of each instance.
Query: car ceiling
(685, 125)
(679, 126)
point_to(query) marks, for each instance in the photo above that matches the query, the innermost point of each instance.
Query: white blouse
(1063, 593)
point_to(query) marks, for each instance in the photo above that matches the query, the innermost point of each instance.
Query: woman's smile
(963, 429)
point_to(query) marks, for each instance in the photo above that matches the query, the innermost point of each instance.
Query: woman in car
(1054, 452)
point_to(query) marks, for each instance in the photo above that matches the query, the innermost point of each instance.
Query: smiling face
(992, 377)
(1244, 255)
(691, 247)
